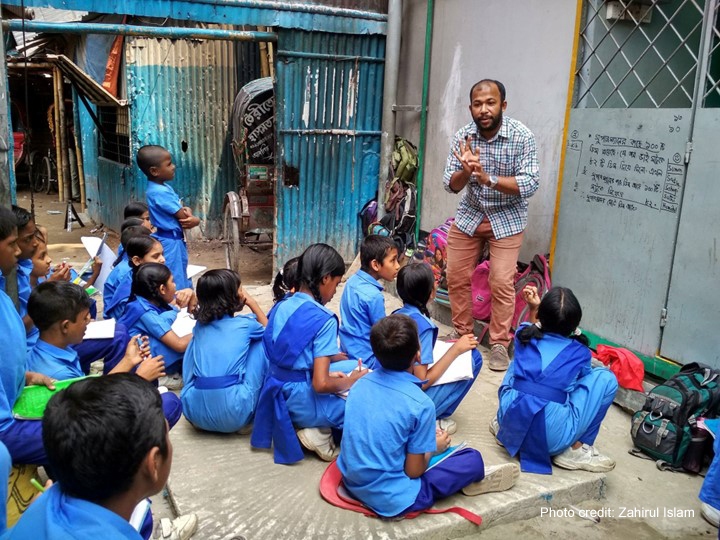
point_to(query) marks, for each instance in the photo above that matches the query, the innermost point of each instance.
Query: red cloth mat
(333, 491)
(628, 368)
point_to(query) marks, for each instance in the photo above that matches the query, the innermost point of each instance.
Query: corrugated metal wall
(329, 101)
(181, 94)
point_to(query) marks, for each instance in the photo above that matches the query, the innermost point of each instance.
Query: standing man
(495, 157)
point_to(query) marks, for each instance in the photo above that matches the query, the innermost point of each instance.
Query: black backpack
(665, 428)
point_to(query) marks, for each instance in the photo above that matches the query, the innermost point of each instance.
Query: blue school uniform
(163, 203)
(448, 396)
(222, 377)
(5, 468)
(550, 398)
(361, 306)
(56, 516)
(116, 276)
(299, 330)
(374, 446)
(56, 363)
(24, 269)
(147, 319)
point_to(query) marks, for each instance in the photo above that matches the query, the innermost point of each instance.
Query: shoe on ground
(711, 514)
(585, 458)
(320, 441)
(494, 427)
(497, 478)
(499, 359)
(172, 382)
(447, 424)
(452, 336)
(180, 528)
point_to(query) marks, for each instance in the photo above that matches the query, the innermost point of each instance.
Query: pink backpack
(537, 273)
(436, 250)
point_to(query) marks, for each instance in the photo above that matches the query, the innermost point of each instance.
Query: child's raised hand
(184, 298)
(61, 273)
(442, 440)
(151, 369)
(96, 266)
(138, 348)
(530, 295)
(466, 343)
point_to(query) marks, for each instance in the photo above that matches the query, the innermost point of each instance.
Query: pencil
(37, 485)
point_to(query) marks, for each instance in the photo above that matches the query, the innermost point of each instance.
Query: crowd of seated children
(131, 228)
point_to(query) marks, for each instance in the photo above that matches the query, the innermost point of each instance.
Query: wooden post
(80, 170)
(58, 150)
(67, 180)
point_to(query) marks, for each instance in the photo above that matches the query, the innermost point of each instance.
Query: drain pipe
(392, 66)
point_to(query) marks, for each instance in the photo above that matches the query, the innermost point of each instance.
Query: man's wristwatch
(493, 181)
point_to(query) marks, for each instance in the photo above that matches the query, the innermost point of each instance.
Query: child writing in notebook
(301, 385)
(168, 215)
(416, 287)
(552, 400)
(363, 303)
(385, 455)
(222, 377)
(150, 313)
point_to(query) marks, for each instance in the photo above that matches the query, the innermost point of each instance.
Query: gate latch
(663, 317)
(688, 151)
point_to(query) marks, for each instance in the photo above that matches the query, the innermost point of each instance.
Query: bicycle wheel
(47, 166)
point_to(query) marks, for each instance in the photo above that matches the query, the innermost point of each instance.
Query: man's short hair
(97, 432)
(55, 301)
(8, 223)
(375, 248)
(22, 216)
(500, 86)
(395, 342)
(150, 155)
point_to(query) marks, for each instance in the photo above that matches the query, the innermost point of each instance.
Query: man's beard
(497, 120)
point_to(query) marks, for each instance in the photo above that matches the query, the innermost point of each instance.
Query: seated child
(23, 438)
(121, 266)
(416, 287)
(149, 313)
(284, 282)
(363, 303)
(300, 388)
(27, 241)
(138, 209)
(710, 491)
(97, 492)
(222, 376)
(385, 455)
(168, 215)
(552, 400)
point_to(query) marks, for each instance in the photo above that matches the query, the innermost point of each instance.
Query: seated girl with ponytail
(416, 287)
(300, 389)
(552, 400)
(225, 364)
(149, 313)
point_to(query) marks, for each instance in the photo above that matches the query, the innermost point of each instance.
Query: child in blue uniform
(222, 376)
(552, 400)
(300, 388)
(27, 242)
(138, 209)
(390, 435)
(121, 266)
(168, 215)
(416, 287)
(149, 313)
(285, 280)
(23, 438)
(363, 303)
(96, 492)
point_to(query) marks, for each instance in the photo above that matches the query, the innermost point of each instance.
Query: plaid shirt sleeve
(528, 175)
(453, 164)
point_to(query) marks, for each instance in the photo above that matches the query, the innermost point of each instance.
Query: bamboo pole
(63, 141)
(80, 170)
(58, 149)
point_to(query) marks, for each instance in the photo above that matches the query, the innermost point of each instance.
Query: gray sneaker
(494, 428)
(499, 359)
(586, 458)
(447, 424)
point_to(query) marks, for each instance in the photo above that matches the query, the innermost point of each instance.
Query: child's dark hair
(146, 282)
(375, 248)
(559, 313)
(139, 246)
(316, 262)
(134, 209)
(98, 431)
(415, 284)
(217, 293)
(55, 301)
(131, 232)
(150, 155)
(130, 222)
(8, 223)
(395, 342)
(22, 217)
(285, 279)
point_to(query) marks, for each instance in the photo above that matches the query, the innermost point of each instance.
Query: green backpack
(663, 428)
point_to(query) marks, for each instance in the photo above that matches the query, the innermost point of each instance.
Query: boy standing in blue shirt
(363, 303)
(167, 213)
(385, 455)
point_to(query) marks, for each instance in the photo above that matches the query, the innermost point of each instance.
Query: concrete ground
(238, 492)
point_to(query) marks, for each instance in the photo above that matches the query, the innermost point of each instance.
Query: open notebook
(459, 370)
(184, 324)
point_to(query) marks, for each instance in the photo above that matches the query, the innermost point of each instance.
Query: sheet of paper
(194, 270)
(100, 329)
(344, 393)
(107, 256)
(460, 369)
(183, 324)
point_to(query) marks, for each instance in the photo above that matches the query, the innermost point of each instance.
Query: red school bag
(628, 368)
